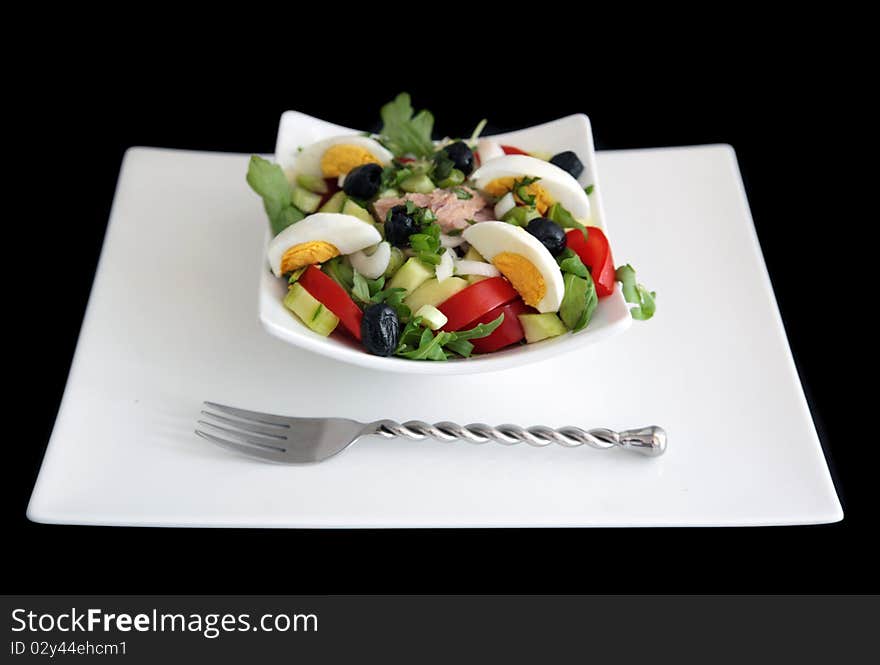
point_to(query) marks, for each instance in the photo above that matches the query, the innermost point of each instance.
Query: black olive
(380, 329)
(568, 161)
(363, 182)
(551, 235)
(461, 155)
(399, 226)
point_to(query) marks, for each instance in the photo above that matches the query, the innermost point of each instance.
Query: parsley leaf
(268, 180)
(443, 166)
(393, 175)
(404, 133)
(394, 299)
(520, 188)
(426, 243)
(463, 194)
(376, 285)
(636, 293)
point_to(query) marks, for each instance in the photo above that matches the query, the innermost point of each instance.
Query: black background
(783, 106)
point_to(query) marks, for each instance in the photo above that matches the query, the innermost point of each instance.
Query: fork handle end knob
(649, 441)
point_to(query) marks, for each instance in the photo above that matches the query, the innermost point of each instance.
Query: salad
(431, 250)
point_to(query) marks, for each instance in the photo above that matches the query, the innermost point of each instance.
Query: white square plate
(610, 317)
(155, 343)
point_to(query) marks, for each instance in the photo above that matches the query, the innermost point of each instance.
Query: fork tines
(250, 433)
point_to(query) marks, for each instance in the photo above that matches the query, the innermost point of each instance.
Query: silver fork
(284, 440)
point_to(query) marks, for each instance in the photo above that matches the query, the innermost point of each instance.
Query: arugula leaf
(564, 218)
(268, 180)
(360, 290)
(426, 345)
(404, 133)
(409, 337)
(460, 346)
(430, 347)
(481, 330)
(636, 293)
(570, 262)
(463, 194)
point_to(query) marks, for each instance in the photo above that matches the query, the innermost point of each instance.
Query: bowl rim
(348, 352)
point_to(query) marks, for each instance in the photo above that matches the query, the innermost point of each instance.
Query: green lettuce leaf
(268, 180)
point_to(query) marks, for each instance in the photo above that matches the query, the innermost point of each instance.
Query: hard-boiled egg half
(497, 177)
(338, 155)
(319, 238)
(522, 259)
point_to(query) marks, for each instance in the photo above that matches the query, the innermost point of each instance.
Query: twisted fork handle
(650, 441)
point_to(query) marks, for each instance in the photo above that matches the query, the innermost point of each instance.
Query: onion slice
(372, 266)
(505, 204)
(466, 267)
(450, 241)
(446, 266)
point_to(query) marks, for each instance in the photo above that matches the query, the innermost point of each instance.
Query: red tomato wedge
(512, 150)
(595, 252)
(509, 332)
(466, 306)
(333, 297)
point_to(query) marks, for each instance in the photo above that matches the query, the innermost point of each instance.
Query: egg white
(493, 238)
(559, 184)
(308, 161)
(345, 232)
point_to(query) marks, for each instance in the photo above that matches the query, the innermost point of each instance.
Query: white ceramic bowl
(610, 318)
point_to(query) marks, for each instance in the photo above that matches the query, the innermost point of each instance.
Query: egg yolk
(306, 254)
(500, 186)
(523, 275)
(340, 159)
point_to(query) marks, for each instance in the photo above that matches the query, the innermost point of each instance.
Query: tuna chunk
(452, 212)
